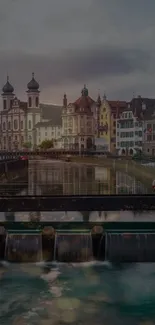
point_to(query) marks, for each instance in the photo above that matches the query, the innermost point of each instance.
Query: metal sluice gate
(72, 241)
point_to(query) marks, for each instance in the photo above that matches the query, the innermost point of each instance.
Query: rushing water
(23, 248)
(73, 294)
(73, 247)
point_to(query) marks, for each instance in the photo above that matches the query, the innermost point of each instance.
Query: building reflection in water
(59, 178)
(70, 179)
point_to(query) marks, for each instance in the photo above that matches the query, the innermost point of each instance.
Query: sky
(109, 45)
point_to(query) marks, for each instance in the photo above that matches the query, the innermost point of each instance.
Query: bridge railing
(78, 203)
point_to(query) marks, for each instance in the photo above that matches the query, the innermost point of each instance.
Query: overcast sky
(107, 44)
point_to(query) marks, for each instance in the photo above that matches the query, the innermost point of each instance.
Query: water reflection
(60, 178)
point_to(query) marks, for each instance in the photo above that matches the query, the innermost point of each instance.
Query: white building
(18, 119)
(78, 122)
(129, 131)
(48, 131)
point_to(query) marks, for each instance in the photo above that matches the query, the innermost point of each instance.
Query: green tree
(27, 145)
(46, 144)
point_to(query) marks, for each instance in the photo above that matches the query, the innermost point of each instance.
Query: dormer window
(143, 106)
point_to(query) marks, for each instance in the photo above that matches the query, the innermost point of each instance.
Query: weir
(76, 241)
(23, 247)
(116, 242)
(73, 247)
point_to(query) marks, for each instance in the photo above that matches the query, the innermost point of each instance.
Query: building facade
(18, 119)
(107, 122)
(148, 146)
(48, 131)
(129, 133)
(135, 127)
(78, 122)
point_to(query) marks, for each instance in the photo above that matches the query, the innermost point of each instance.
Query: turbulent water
(90, 293)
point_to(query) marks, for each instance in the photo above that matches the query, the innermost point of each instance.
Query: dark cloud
(72, 42)
(74, 66)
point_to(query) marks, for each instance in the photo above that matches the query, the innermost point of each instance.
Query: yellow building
(107, 122)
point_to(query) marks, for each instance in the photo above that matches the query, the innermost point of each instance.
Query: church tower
(7, 95)
(33, 93)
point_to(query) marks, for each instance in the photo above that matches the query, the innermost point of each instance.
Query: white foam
(51, 276)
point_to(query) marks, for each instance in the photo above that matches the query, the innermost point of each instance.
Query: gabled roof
(117, 107)
(51, 112)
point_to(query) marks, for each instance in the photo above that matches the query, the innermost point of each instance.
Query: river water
(87, 293)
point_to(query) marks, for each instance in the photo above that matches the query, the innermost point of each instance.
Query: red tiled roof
(84, 102)
(117, 107)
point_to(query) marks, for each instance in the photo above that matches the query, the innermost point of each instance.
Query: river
(88, 293)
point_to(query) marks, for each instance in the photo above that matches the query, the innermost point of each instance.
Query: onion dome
(84, 91)
(33, 84)
(8, 88)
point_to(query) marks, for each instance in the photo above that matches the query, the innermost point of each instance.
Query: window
(29, 124)
(114, 123)
(22, 139)
(149, 126)
(37, 101)
(15, 124)
(15, 137)
(149, 137)
(9, 139)
(101, 117)
(117, 144)
(9, 125)
(21, 124)
(118, 134)
(30, 101)
(30, 138)
(4, 103)
(4, 126)
(45, 134)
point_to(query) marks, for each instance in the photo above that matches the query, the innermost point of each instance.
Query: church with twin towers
(20, 120)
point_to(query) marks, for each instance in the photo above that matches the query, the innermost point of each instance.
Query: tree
(27, 145)
(46, 144)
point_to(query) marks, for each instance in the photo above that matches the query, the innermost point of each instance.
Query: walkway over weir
(78, 203)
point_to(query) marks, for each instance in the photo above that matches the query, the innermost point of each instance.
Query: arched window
(15, 124)
(37, 101)
(29, 124)
(4, 127)
(9, 125)
(21, 124)
(30, 101)
(4, 103)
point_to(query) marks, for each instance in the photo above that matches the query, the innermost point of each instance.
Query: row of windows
(36, 102)
(15, 139)
(128, 124)
(129, 144)
(15, 125)
(29, 102)
(129, 134)
(127, 115)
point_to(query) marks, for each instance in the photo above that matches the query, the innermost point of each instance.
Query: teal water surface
(90, 293)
